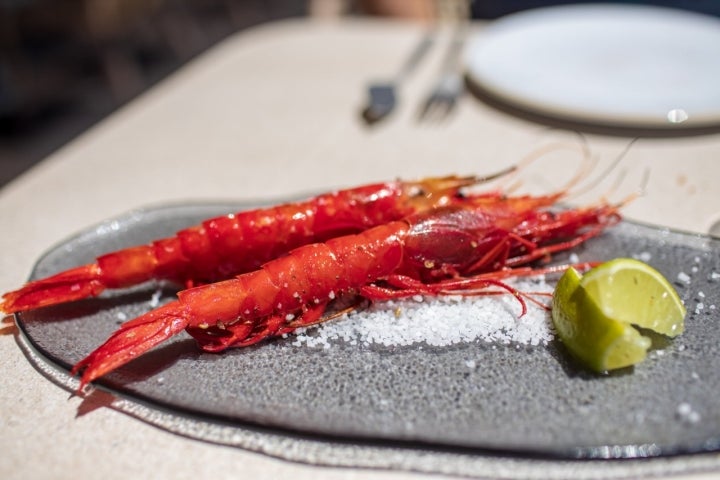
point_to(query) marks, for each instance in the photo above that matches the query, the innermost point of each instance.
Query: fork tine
(443, 111)
(437, 107)
(443, 96)
(429, 113)
(425, 108)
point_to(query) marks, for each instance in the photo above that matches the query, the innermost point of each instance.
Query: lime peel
(594, 314)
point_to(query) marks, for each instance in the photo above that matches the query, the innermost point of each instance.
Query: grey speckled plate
(528, 402)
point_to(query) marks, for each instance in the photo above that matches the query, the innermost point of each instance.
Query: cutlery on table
(442, 99)
(382, 96)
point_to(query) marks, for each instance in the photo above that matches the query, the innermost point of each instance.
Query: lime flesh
(594, 314)
(631, 291)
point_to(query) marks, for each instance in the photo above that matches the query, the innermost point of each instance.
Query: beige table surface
(269, 113)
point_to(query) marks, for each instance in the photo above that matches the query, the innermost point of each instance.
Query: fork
(442, 99)
(382, 95)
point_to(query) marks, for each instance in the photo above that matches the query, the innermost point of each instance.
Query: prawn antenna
(640, 192)
(539, 152)
(605, 173)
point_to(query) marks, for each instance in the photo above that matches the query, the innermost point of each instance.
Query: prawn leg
(400, 286)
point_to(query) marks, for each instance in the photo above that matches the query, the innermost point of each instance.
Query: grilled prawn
(222, 247)
(459, 249)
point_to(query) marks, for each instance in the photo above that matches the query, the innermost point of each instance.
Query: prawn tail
(74, 284)
(123, 268)
(132, 340)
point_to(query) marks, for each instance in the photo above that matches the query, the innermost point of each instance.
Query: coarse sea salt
(644, 256)
(440, 321)
(687, 414)
(154, 301)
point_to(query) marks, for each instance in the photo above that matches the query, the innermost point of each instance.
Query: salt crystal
(155, 299)
(684, 409)
(686, 413)
(574, 258)
(121, 316)
(439, 321)
(683, 277)
(644, 256)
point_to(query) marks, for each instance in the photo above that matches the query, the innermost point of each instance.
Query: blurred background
(66, 64)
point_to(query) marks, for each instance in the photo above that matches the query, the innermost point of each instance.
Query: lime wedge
(594, 314)
(631, 291)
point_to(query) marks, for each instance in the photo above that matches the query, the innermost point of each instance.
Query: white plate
(631, 66)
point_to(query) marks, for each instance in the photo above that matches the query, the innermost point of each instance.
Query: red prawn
(457, 249)
(228, 245)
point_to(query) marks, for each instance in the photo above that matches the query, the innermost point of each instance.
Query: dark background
(66, 64)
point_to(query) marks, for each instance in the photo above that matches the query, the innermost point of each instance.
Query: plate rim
(542, 106)
(580, 451)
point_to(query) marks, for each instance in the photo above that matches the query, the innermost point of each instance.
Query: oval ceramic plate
(474, 396)
(614, 65)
